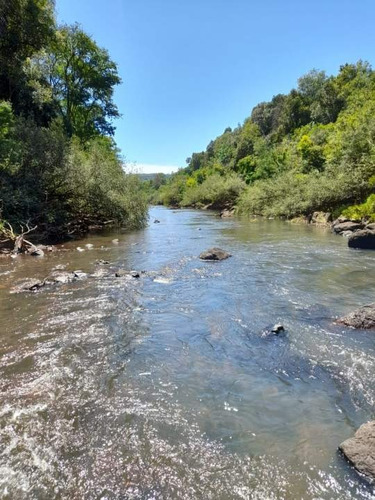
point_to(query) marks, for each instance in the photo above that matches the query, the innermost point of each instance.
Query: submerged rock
(277, 329)
(121, 273)
(364, 239)
(60, 277)
(362, 318)
(214, 254)
(35, 251)
(30, 285)
(360, 449)
(156, 221)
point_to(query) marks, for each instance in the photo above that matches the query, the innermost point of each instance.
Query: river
(168, 386)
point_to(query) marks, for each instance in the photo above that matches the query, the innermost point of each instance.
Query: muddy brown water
(168, 386)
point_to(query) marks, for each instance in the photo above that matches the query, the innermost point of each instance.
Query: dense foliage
(58, 161)
(313, 149)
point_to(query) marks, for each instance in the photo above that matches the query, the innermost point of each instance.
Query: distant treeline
(312, 149)
(58, 161)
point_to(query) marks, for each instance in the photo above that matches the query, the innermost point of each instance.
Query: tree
(25, 27)
(82, 78)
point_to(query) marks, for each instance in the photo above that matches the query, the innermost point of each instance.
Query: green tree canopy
(81, 78)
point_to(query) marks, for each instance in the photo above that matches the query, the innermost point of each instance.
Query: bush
(216, 190)
(365, 210)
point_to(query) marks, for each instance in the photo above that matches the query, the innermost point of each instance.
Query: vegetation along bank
(310, 150)
(60, 169)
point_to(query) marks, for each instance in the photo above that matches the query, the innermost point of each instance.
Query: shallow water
(167, 386)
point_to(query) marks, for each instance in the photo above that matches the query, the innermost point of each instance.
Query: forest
(312, 149)
(59, 165)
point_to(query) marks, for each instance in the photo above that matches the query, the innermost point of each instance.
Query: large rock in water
(364, 318)
(360, 449)
(364, 239)
(340, 227)
(214, 254)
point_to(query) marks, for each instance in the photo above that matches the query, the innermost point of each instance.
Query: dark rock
(363, 318)
(360, 449)
(214, 254)
(102, 262)
(277, 329)
(347, 226)
(156, 221)
(362, 239)
(121, 273)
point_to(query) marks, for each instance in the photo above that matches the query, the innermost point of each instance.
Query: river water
(169, 386)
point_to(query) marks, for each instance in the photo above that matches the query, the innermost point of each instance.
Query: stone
(156, 221)
(321, 218)
(370, 226)
(30, 285)
(227, 213)
(102, 262)
(362, 318)
(277, 329)
(115, 241)
(364, 239)
(35, 251)
(214, 254)
(360, 449)
(346, 234)
(347, 226)
(60, 277)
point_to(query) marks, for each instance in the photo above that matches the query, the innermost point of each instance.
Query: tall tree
(25, 27)
(81, 77)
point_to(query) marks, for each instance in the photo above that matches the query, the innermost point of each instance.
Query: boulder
(363, 318)
(364, 239)
(360, 449)
(371, 226)
(347, 226)
(214, 254)
(321, 218)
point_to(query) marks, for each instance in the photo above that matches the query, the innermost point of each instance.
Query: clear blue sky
(190, 68)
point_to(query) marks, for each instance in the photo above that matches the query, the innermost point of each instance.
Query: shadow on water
(170, 386)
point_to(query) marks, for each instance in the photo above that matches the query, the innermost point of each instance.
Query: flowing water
(169, 386)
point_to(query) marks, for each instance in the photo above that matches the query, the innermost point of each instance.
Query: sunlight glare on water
(168, 386)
